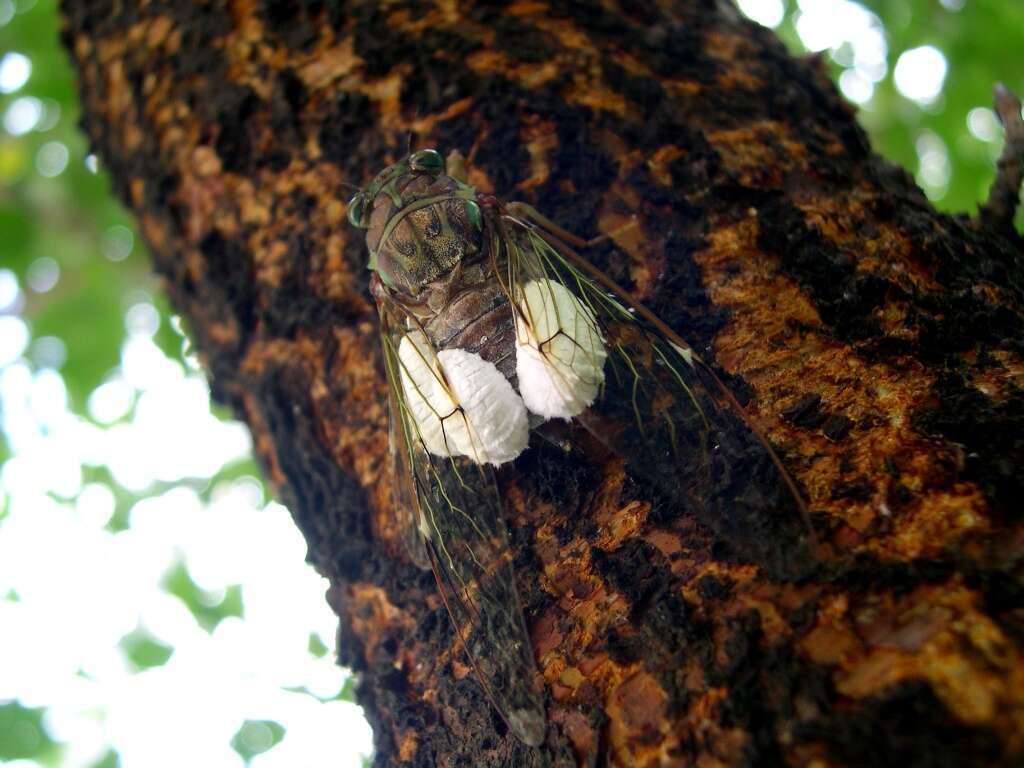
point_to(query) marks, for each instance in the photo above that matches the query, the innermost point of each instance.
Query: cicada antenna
(351, 186)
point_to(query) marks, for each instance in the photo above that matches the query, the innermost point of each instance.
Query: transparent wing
(405, 502)
(660, 407)
(459, 515)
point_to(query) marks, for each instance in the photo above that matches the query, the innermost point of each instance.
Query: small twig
(1004, 195)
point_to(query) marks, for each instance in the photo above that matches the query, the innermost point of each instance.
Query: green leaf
(22, 734)
(144, 651)
(348, 690)
(255, 737)
(208, 612)
(109, 760)
(316, 646)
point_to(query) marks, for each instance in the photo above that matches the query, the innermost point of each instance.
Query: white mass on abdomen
(492, 425)
(559, 351)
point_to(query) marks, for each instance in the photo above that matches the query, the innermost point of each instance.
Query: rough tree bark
(876, 343)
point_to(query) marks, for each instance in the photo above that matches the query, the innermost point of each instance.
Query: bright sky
(75, 588)
(855, 39)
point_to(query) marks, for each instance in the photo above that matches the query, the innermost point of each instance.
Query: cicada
(493, 326)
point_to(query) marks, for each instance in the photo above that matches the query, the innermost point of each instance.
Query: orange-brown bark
(876, 343)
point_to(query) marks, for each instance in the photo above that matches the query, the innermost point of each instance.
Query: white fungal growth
(559, 351)
(461, 404)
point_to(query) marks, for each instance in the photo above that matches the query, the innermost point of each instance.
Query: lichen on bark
(875, 342)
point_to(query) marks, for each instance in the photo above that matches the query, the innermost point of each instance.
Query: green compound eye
(357, 210)
(473, 211)
(426, 160)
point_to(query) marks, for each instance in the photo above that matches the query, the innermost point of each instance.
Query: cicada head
(420, 223)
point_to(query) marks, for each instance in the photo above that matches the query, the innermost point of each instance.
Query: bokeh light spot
(14, 338)
(48, 352)
(95, 504)
(142, 319)
(768, 13)
(983, 124)
(117, 242)
(933, 164)
(111, 401)
(920, 73)
(10, 292)
(15, 69)
(50, 116)
(855, 86)
(52, 159)
(23, 115)
(42, 274)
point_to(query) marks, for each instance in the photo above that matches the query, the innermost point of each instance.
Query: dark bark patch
(375, 41)
(906, 725)
(294, 24)
(855, 490)
(237, 105)
(320, 496)
(1002, 591)
(646, 93)
(766, 687)
(992, 436)
(866, 574)
(580, 173)
(229, 271)
(837, 427)
(682, 300)
(343, 128)
(521, 41)
(844, 299)
(440, 75)
(637, 570)
(714, 588)
(558, 476)
(805, 412)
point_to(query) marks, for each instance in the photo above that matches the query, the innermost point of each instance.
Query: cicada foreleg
(526, 212)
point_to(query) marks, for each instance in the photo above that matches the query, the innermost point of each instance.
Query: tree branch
(1004, 194)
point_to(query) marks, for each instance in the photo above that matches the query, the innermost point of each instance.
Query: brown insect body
(430, 243)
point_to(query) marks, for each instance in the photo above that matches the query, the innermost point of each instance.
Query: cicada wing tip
(529, 725)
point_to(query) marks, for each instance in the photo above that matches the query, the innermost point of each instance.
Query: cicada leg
(527, 212)
(455, 166)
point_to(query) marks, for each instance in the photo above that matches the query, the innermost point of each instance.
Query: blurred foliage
(144, 651)
(256, 736)
(22, 734)
(983, 43)
(317, 647)
(73, 218)
(109, 760)
(208, 609)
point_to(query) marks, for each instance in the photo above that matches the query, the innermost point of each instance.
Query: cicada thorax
(421, 228)
(427, 236)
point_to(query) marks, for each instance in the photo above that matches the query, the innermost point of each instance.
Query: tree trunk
(875, 342)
